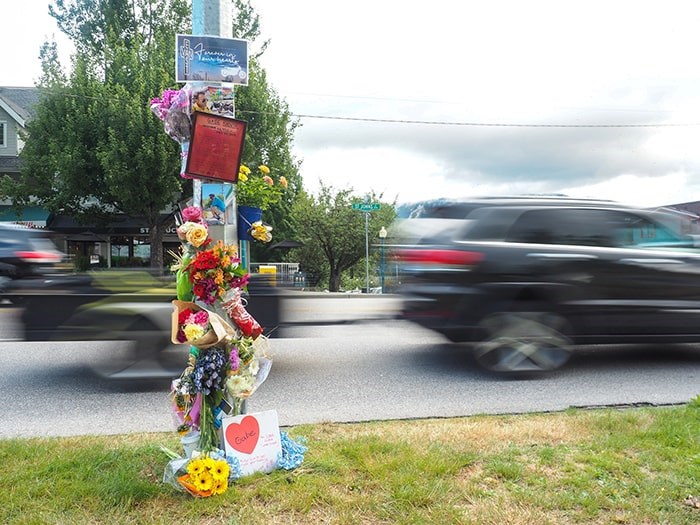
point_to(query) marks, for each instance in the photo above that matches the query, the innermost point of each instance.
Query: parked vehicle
(526, 280)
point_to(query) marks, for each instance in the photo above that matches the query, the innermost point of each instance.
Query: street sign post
(367, 208)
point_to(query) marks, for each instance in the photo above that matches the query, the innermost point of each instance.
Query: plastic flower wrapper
(260, 231)
(249, 366)
(185, 405)
(173, 108)
(198, 327)
(201, 476)
(232, 304)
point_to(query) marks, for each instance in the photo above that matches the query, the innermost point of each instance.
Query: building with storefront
(123, 242)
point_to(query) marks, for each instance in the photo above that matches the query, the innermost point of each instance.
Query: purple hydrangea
(210, 371)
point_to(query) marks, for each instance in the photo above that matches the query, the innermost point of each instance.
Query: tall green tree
(94, 149)
(331, 227)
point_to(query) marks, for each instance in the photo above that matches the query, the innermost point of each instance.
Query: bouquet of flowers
(193, 231)
(173, 108)
(215, 271)
(197, 327)
(206, 476)
(249, 365)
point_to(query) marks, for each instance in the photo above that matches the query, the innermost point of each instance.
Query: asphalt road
(348, 372)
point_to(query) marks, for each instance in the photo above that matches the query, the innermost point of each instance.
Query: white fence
(281, 273)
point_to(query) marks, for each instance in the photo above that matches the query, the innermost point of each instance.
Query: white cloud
(541, 62)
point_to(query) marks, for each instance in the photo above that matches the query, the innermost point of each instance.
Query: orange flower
(268, 180)
(283, 181)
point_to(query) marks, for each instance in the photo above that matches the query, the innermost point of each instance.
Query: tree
(270, 129)
(330, 226)
(94, 149)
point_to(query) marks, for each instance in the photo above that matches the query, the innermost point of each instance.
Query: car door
(625, 275)
(651, 279)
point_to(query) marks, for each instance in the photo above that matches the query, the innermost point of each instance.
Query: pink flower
(201, 317)
(192, 214)
(268, 180)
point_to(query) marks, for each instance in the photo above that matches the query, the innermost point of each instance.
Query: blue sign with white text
(211, 59)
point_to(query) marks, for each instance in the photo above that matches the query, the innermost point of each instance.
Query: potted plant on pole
(256, 192)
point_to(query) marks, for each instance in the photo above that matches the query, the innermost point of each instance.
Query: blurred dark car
(525, 280)
(26, 252)
(132, 306)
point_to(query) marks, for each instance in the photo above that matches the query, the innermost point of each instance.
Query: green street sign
(366, 206)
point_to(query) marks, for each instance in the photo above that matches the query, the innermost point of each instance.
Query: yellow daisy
(195, 467)
(203, 482)
(219, 486)
(209, 463)
(220, 471)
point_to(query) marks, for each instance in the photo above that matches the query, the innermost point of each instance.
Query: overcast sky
(588, 98)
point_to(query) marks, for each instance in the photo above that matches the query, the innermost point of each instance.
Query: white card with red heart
(254, 439)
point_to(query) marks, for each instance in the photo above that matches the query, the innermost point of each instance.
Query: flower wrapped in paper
(198, 327)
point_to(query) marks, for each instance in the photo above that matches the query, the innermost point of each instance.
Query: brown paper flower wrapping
(219, 331)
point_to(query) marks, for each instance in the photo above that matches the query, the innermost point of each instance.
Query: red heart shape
(243, 436)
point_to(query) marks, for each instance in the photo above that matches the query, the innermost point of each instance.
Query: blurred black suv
(26, 252)
(527, 279)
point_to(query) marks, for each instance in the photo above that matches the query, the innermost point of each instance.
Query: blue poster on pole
(211, 59)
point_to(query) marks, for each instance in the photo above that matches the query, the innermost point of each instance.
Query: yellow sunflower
(220, 471)
(219, 486)
(195, 467)
(203, 482)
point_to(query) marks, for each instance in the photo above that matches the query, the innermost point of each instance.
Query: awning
(86, 236)
(31, 216)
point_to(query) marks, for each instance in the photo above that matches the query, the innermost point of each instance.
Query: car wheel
(523, 342)
(140, 351)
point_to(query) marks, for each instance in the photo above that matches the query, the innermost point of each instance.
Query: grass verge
(633, 466)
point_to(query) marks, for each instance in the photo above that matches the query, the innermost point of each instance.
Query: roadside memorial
(228, 360)
(229, 356)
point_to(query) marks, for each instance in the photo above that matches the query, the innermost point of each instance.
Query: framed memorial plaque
(216, 146)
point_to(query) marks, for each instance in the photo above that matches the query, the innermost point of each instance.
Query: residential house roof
(19, 102)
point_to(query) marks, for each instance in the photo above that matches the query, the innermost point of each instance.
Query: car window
(591, 227)
(586, 227)
(643, 232)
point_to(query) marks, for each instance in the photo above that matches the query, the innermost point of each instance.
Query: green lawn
(634, 466)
